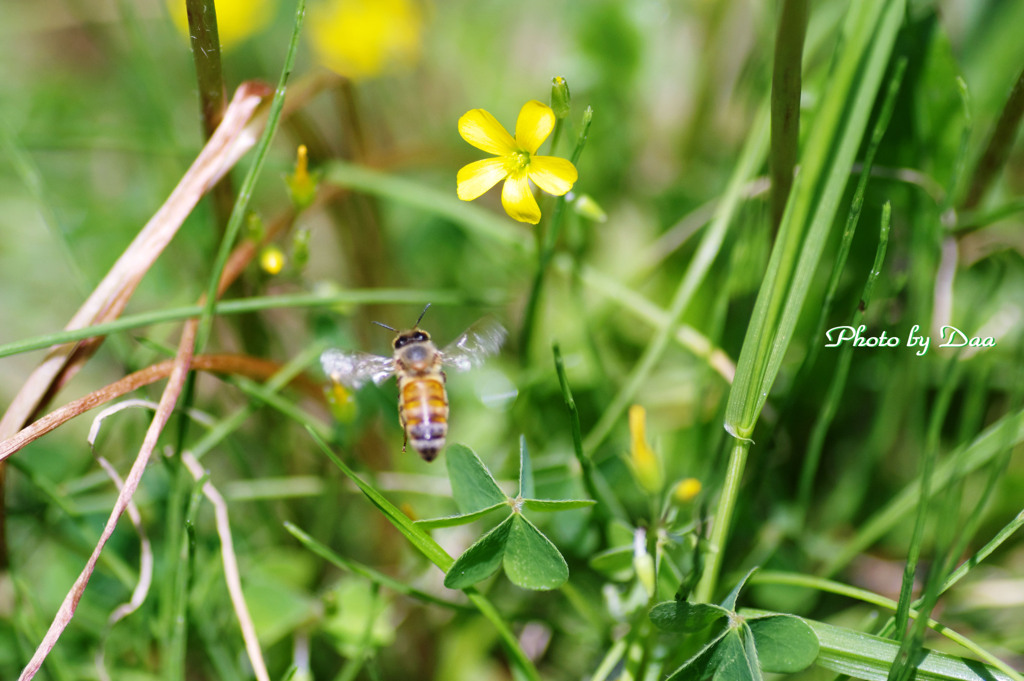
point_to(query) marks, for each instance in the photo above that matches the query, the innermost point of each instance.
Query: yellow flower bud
(560, 98)
(272, 260)
(301, 184)
(686, 490)
(645, 463)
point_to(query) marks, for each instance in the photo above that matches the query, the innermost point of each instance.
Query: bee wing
(480, 340)
(353, 369)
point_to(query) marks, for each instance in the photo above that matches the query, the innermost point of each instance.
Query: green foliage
(529, 558)
(280, 531)
(741, 647)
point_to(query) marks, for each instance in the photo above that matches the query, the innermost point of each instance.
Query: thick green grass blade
(825, 168)
(869, 657)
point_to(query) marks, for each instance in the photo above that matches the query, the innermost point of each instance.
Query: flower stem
(546, 250)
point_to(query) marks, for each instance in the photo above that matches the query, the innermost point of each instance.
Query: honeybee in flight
(422, 400)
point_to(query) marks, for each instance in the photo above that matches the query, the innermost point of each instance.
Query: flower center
(516, 162)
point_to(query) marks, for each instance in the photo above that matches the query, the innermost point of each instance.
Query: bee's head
(411, 336)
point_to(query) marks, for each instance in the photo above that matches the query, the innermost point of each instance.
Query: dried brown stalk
(182, 364)
(257, 369)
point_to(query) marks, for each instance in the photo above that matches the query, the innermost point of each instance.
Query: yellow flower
(515, 160)
(236, 19)
(364, 38)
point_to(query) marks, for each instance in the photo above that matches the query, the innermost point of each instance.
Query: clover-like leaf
(785, 643)
(701, 665)
(482, 559)
(459, 519)
(473, 486)
(686, 617)
(531, 560)
(730, 601)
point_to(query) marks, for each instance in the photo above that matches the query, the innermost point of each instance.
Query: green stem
(249, 183)
(999, 145)
(241, 306)
(546, 250)
(213, 100)
(723, 518)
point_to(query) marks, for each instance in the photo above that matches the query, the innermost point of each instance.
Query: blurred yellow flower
(364, 38)
(687, 490)
(645, 463)
(272, 260)
(515, 160)
(236, 19)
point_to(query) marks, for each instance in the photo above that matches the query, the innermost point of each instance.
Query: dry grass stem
(231, 574)
(141, 589)
(182, 363)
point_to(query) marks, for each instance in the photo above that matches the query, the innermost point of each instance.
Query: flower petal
(552, 174)
(477, 177)
(517, 198)
(484, 132)
(535, 123)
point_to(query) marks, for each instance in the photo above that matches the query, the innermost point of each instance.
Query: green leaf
(698, 667)
(785, 643)
(481, 560)
(730, 601)
(550, 505)
(525, 470)
(729, 657)
(686, 617)
(531, 560)
(459, 519)
(473, 486)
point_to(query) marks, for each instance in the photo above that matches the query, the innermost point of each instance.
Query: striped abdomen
(423, 411)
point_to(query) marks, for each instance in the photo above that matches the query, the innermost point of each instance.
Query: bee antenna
(386, 327)
(421, 314)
